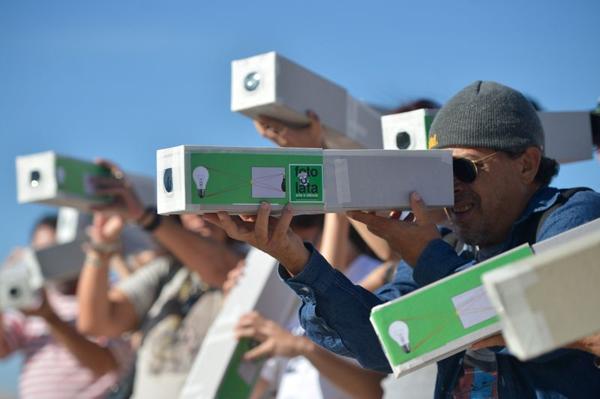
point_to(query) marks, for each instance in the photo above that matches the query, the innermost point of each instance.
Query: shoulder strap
(537, 220)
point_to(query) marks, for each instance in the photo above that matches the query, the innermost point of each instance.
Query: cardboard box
(218, 371)
(271, 85)
(440, 319)
(550, 300)
(54, 179)
(568, 134)
(194, 179)
(21, 279)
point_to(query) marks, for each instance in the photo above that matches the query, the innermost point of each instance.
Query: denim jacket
(335, 313)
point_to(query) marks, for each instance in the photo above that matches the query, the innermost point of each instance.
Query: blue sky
(120, 79)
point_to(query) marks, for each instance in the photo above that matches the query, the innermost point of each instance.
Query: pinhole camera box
(219, 372)
(271, 85)
(441, 319)
(550, 300)
(22, 278)
(568, 135)
(58, 180)
(194, 179)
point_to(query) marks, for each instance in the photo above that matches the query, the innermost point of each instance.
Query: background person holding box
(59, 361)
(502, 199)
(172, 300)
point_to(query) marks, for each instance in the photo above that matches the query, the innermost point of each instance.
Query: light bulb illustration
(200, 176)
(398, 330)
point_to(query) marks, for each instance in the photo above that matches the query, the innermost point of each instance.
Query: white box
(568, 135)
(218, 371)
(551, 299)
(54, 179)
(195, 179)
(271, 85)
(21, 279)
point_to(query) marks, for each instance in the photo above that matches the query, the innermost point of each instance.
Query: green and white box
(441, 319)
(194, 179)
(568, 134)
(54, 179)
(550, 300)
(219, 371)
(407, 130)
(21, 279)
(271, 85)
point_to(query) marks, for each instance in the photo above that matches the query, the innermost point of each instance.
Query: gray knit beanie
(487, 115)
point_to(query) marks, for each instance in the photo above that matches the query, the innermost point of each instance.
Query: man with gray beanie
(502, 200)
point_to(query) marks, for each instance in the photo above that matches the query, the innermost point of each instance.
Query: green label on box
(306, 183)
(433, 316)
(74, 177)
(249, 178)
(240, 375)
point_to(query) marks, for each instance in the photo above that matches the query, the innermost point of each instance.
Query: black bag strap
(536, 221)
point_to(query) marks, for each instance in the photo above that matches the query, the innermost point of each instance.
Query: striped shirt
(49, 370)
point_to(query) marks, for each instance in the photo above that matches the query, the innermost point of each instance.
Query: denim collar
(541, 200)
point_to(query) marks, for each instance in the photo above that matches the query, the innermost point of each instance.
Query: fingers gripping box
(219, 372)
(64, 181)
(441, 319)
(193, 179)
(271, 85)
(568, 135)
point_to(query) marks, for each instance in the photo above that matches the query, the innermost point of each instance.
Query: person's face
(196, 224)
(485, 210)
(43, 237)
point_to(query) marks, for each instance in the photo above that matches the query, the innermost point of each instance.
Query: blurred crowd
(133, 321)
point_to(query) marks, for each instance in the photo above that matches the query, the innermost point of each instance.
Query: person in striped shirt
(59, 362)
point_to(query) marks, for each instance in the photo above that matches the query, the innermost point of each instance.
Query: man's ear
(529, 164)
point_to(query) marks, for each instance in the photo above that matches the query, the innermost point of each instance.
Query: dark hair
(414, 105)
(547, 170)
(308, 221)
(595, 117)
(49, 220)
(360, 244)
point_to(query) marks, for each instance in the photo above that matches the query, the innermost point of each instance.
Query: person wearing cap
(502, 200)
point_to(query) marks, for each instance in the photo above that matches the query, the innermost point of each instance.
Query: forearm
(324, 291)
(354, 380)
(378, 245)
(97, 359)
(203, 255)
(438, 260)
(92, 295)
(334, 242)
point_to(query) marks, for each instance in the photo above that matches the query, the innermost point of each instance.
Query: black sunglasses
(466, 170)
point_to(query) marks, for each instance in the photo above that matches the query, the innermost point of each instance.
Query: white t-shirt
(298, 378)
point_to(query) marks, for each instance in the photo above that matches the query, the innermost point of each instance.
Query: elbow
(107, 365)
(87, 326)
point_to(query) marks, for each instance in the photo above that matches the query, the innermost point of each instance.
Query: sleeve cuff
(318, 275)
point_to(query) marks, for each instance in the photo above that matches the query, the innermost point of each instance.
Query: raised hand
(408, 238)
(268, 234)
(310, 136)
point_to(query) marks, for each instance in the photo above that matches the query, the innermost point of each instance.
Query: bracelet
(150, 220)
(95, 260)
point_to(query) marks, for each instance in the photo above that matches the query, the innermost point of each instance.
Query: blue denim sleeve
(438, 260)
(582, 207)
(335, 312)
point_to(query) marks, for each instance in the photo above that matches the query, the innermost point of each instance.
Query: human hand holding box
(440, 319)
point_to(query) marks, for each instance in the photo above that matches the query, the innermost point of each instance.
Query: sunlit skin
(196, 224)
(43, 237)
(485, 210)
